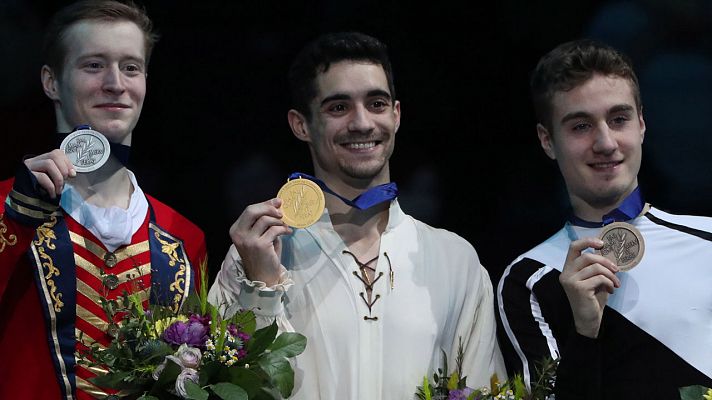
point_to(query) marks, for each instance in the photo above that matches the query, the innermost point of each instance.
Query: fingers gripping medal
(302, 202)
(87, 149)
(623, 244)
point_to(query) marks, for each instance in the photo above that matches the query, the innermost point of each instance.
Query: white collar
(114, 226)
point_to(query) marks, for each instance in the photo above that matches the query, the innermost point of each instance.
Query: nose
(113, 80)
(361, 120)
(605, 140)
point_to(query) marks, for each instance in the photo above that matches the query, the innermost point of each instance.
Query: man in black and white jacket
(621, 330)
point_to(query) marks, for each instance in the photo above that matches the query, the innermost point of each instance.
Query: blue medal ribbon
(629, 209)
(120, 151)
(369, 198)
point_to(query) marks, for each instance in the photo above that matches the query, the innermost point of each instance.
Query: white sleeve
(232, 291)
(477, 328)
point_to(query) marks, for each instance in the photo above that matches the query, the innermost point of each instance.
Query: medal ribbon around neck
(371, 197)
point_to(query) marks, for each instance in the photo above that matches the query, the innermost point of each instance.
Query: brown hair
(571, 64)
(55, 48)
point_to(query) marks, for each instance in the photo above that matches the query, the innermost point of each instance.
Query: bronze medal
(623, 244)
(303, 202)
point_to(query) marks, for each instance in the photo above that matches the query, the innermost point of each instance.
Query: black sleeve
(530, 321)
(578, 375)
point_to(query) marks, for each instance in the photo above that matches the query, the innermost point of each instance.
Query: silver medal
(87, 149)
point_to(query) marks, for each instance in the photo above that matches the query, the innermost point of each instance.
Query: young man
(69, 238)
(377, 293)
(621, 330)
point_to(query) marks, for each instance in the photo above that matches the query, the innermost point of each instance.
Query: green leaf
(247, 379)
(208, 372)
(288, 344)
(246, 321)
(694, 392)
(229, 391)
(113, 380)
(194, 391)
(280, 373)
(168, 376)
(148, 397)
(260, 341)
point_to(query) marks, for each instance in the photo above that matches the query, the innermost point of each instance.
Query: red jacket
(28, 338)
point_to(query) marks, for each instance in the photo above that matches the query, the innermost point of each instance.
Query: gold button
(110, 260)
(111, 281)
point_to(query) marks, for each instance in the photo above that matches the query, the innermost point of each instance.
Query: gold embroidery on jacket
(45, 236)
(180, 285)
(10, 240)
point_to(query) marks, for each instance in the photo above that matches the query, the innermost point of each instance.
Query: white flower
(159, 369)
(185, 374)
(187, 357)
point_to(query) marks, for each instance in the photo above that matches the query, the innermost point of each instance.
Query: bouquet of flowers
(194, 354)
(453, 386)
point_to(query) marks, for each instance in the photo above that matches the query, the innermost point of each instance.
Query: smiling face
(103, 82)
(354, 120)
(597, 136)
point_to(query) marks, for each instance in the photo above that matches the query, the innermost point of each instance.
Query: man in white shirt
(377, 293)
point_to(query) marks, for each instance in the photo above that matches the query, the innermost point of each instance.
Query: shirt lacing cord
(368, 283)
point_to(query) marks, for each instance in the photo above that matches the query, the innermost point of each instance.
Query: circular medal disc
(303, 202)
(87, 149)
(623, 244)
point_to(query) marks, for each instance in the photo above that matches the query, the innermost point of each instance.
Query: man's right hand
(51, 170)
(588, 279)
(255, 235)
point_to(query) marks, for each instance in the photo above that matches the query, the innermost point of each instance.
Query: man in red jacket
(70, 235)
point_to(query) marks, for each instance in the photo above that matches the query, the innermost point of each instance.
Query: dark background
(213, 136)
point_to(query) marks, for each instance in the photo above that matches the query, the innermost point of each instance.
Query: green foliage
(256, 368)
(695, 392)
(443, 383)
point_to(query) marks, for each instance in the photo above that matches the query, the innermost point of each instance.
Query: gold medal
(302, 202)
(623, 244)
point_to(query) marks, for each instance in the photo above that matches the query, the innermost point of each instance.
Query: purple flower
(236, 332)
(459, 394)
(192, 333)
(205, 320)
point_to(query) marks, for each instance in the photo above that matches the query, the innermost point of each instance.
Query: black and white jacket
(656, 333)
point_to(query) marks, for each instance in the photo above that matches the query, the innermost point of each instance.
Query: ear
(49, 83)
(547, 142)
(641, 121)
(298, 123)
(397, 113)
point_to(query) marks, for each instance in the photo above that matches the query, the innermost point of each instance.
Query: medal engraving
(623, 244)
(302, 202)
(87, 149)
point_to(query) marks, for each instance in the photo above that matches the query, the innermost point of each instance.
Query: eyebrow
(582, 114)
(344, 96)
(104, 57)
